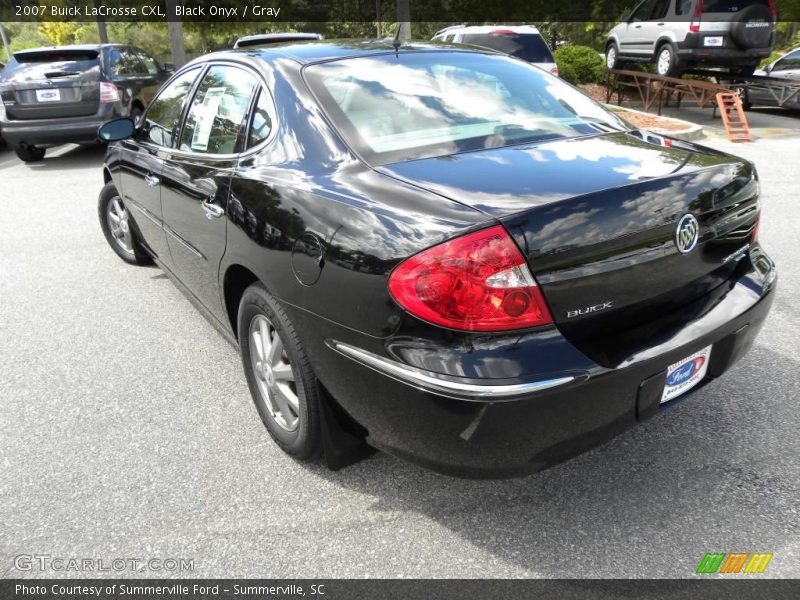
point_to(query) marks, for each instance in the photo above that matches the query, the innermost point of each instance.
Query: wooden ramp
(730, 108)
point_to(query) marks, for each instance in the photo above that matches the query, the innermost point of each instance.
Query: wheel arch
(665, 39)
(236, 280)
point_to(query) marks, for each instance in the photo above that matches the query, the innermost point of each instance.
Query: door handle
(661, 24)
(637, 26)
(151, 180)
(213, 211)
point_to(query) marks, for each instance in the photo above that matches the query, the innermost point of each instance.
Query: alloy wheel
(664, 61)
(273, 372)
(118, 223)
(611, 57)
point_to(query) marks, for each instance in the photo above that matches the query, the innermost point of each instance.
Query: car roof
(312, 52)
(529, 29)
(76, 47)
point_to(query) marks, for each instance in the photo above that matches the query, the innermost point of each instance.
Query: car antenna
(396, 42)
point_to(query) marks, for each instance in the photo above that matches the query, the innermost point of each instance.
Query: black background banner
(458, 11)
(713, 587)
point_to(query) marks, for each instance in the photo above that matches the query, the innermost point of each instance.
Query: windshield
(397, 107)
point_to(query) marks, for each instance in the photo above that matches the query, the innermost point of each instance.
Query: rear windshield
(730, 6)
(526, 46)
(50, 64)
(392, 108)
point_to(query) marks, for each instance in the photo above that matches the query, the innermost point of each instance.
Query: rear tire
(136, 115)
(279, 374)
(117, 227)
(667, 61)
(29, 153)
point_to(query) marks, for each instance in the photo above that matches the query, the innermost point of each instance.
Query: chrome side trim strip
(144, 211)
(444, 386)
(171, 232)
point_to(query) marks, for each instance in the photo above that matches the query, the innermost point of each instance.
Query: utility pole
(5, 41)
(175, 31)
(101, 24)
(404, 20)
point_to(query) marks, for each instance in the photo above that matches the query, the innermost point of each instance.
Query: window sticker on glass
(205, 121)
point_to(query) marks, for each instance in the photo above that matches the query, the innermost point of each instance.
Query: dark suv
(63, 94)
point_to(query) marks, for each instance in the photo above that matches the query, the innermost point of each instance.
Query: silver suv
(678, 35)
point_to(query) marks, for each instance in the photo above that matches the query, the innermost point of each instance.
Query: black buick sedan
(443, 253)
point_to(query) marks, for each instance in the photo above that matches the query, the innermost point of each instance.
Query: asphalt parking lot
(127, 430)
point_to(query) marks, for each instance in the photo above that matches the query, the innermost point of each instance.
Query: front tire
(667, 61)
(612, 56)
(29, 154)
(279, 374)
(117, 229)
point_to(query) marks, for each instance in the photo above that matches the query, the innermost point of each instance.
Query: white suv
(678, 35)
(521, 41)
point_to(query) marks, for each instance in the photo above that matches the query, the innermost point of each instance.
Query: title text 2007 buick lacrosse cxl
(447, 254)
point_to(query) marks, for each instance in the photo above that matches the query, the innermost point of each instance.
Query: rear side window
(730, 6)
(261, 121)
(526, 46)
(49, 64)
(151, 66)
(164, 114)
(217, 114)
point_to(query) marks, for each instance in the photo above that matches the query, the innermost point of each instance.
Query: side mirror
(118, 129)
(169, 68)
(768, 68)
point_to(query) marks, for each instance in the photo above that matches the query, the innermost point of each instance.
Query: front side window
(643, 11)
(217, 114)
(150, 64)
(393, 108)
(788, 62)
(164, 115)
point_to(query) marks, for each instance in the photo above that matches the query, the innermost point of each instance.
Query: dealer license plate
(51, 95)
(715, 41)
(685, 374)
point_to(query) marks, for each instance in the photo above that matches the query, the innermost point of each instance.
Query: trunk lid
(597, 219)
(51, 83)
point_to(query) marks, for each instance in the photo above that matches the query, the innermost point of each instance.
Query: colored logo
(686, 371)
(687, 233)
(734, 562)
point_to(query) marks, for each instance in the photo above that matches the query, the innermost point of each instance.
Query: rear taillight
(554, 71)
(108, 92)
(478, 282)
(773, 6)
(694, 26)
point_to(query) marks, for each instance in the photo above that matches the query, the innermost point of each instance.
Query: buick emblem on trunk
(686, 234)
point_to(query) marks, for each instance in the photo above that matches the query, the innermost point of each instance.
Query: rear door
(142, 161)
(196, 178)
(52, 83)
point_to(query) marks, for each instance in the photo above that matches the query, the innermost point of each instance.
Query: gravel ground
(127, 431)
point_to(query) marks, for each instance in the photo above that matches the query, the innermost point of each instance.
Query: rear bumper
(44, 132)
(506, 429)
(693, 50)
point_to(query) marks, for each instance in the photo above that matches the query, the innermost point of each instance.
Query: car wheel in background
(667, 61)
(29, 153)
(743, 96)
(136, 115)
(279, 374)
(117, 227)
(612, 56)
(744, 71)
